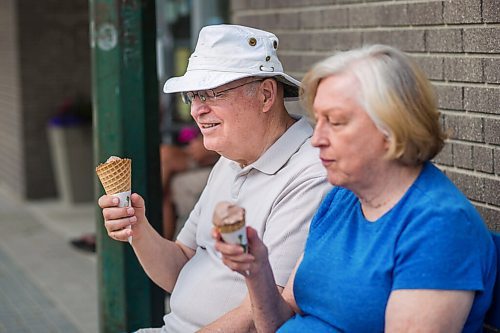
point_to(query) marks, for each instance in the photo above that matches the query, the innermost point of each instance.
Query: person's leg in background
(173, 160)
(86, 242)
(186, 189)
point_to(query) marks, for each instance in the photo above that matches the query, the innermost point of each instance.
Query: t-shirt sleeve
(187, 235)
(439, 250)
(287, 228)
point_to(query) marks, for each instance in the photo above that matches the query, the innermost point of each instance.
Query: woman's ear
(387, 141)
(269, 89)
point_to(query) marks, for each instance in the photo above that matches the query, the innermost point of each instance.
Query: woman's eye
(335, 122)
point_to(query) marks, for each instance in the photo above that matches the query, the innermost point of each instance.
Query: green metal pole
(126, 118)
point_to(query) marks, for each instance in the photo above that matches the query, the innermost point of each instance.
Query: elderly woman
(395, 246)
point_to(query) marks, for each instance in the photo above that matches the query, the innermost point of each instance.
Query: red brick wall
(456, 42)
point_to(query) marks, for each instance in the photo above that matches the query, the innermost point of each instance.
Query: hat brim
(196, 80)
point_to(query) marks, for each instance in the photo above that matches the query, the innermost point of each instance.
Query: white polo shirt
(280, 192)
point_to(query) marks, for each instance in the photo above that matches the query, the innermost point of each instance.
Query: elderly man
(236, 88)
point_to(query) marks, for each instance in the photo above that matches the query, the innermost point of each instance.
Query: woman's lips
(326, 161)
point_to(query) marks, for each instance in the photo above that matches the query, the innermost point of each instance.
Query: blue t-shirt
(433, 238)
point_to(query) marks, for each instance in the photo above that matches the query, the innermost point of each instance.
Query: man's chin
(212, 146)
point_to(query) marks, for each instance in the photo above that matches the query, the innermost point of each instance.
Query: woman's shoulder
(434, 207)
(434, 191)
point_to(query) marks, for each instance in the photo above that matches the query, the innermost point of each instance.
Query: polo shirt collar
(282, 150)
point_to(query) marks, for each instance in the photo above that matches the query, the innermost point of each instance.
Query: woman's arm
(424, 310)
(270, 309)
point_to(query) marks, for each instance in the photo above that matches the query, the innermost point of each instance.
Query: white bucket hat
(225, 53)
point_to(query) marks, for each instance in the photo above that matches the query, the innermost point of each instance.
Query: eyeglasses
(209, 94)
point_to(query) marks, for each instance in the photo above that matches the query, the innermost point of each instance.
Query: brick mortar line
(471, 143)
(466, 84)
(469, 173)
(441, 84)
(466, 55)
(472, 114)
(463, 55)
(485, 85)
(383, 28)
(485, 205)
(309, 8)
(460, 84)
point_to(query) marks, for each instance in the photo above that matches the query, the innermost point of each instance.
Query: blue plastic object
(493, 316)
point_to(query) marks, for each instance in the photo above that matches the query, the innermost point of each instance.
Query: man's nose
(198, 107)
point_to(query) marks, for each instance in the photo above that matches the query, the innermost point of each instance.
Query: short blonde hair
(395, 94)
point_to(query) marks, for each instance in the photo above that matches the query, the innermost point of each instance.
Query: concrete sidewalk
(45, 284)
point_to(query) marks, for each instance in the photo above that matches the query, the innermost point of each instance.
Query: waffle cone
(224, 229)
(115, 175)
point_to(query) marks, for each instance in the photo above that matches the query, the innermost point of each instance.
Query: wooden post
(126, 118)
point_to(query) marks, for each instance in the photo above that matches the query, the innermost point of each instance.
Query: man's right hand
(161, 259)
(117, 219)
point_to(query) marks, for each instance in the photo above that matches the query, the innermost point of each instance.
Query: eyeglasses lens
(188, 97)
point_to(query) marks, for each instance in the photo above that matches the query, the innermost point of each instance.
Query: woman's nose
(319, 137)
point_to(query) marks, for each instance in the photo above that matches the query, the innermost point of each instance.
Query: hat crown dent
(227, 48)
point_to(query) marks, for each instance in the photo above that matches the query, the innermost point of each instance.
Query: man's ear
(269, 89)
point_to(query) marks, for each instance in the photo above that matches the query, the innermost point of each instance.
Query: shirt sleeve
(288, 225)
(439, 250)
(187, 235)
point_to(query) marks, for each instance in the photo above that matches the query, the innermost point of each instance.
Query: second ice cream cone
(229, 219)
